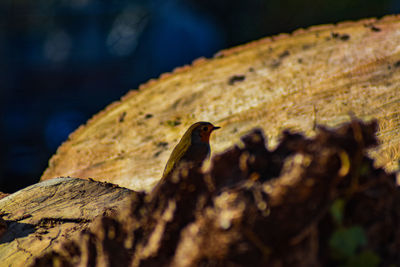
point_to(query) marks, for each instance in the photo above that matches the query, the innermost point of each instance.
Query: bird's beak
(216, 128)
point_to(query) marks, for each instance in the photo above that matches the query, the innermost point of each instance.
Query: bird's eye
(205, 128)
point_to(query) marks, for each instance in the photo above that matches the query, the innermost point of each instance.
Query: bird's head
(201, 131)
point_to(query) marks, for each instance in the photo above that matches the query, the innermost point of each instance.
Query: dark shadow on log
(16, 230)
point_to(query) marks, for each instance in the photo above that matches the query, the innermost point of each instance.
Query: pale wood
(42, 216)
(293, 81)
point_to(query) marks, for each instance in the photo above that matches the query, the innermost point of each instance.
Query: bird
(193, 148)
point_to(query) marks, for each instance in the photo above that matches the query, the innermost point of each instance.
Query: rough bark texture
(317, 75)
(257, 207)
(43, 216)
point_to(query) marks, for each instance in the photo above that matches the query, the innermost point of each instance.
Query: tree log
(313, 76)
(43, 216)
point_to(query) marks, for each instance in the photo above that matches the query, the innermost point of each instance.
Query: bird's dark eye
(205, 128)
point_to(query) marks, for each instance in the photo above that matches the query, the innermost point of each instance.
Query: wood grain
(318, 75)
(44, 215)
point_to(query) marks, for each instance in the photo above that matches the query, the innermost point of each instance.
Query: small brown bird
(194, 147)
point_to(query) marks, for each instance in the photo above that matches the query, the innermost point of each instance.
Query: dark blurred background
(63, 61)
